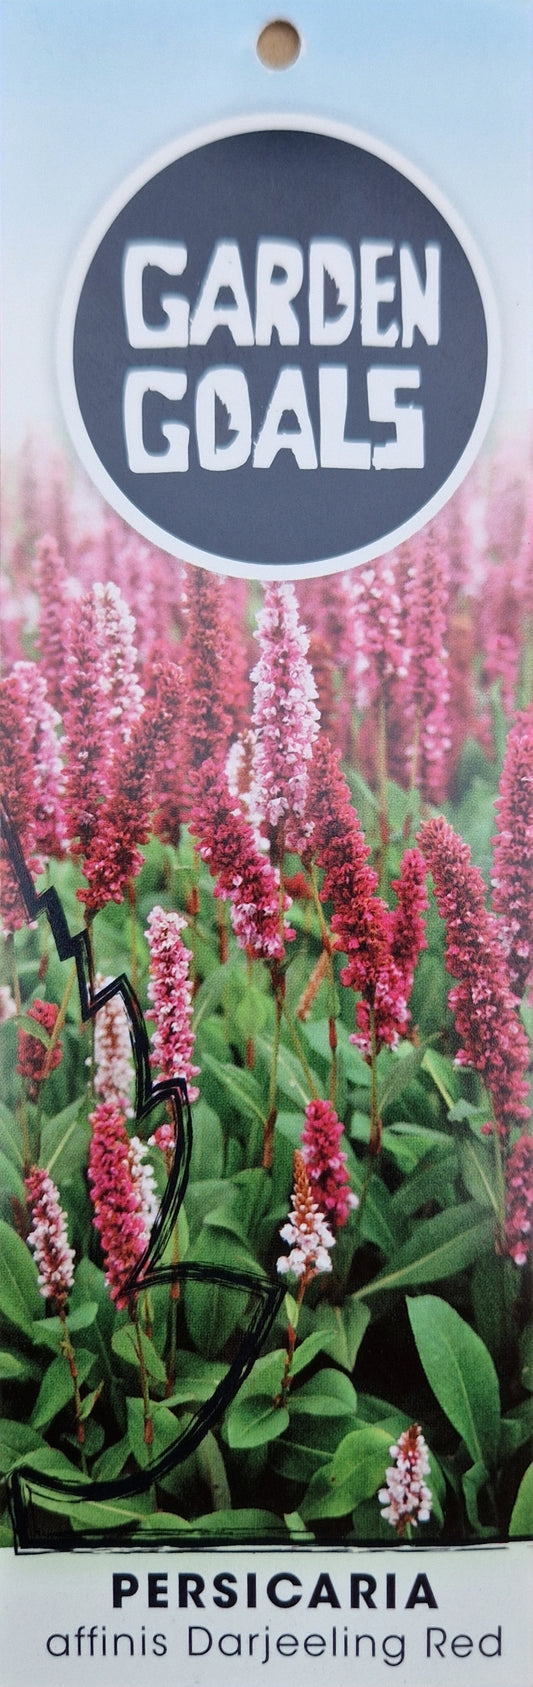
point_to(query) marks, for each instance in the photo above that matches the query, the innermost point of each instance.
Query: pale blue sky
(93, 87)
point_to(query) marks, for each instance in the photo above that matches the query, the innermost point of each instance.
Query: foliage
(421, 1319)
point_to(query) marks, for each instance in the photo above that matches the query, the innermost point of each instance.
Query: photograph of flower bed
(299, 819)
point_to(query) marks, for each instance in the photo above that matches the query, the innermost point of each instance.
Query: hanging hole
(278, 45)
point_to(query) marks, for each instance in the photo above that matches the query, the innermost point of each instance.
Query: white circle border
(222, 130)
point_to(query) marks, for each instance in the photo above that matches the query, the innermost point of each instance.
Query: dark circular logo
(277, 349)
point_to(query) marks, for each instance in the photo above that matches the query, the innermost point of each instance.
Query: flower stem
(68, 1350)
(21, 1105)
(133, 931)
(292, 1328)
(381, 749)
(500, 1188)
(148, 1420)
(295, 1040)
(268, 1128)
(174, 1298)
(375, 1121)
(59, 1023)
(328, 947)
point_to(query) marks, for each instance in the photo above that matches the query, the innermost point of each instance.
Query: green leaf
(201, 1200)
(434, 1181)
(48, 1461)
(88, 1404)
(328, 1394)
(25, 1022)
(109, 1514)
(291, 1080)
(11, 1181)
(265, 1376)
(374, 1410)
(356, 1068)
(461, 1373)
(196, 1379)
(439, 1247)
(212, 1471)
(214, 1310)
(124, 1344)
(212, 992)
(522, 1513)
(165, 1430)
(476, 1161)
(56, 1387)
(57, 1133)
(251, 1012)
(319, 1342)
(296, 1527)
(16, 1367)
(48, 1332)
(443, 1074)
(164, 1523)
(254, 1421)
(409, 1144)
(239, 1086)
(17, 1441)
(377, 1221)
(474, 1481)
(20, 1300)
(490, 1307)
(240, 1524)
(112, 1460)
(407, 1062)
(207, 1159)
(517, 1429)
(356, 1471)
(310, 1442)
(11, 1137)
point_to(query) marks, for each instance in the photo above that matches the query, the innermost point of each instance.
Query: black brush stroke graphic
(28, 1488)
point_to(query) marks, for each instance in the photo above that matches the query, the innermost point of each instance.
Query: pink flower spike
(285, 717)
(87, 739)
(170, 991)
(50, 822)
(119, 656)
(428, 685)
(310, 1237)
(408, 935)
(361, 920)
(373, 608)
(163, 1138)
(205, 661)
(119, 1198)
(406, 1498)
(32, 1054)
(54, 610)
(123, 823)
(113, 1074)
(48, 1238)
(325, 1162)
(143, 1178)
(519, 1199)
(494, 1041)
(512, 895)
(17, 784)
(228, 844)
